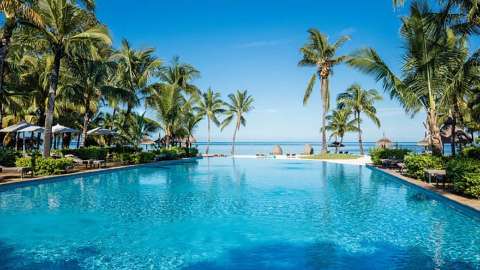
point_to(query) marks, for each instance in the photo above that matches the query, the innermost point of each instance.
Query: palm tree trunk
(208, 143)
(436, 140)
(2, 135)
(325, 102)
(235, 136)
(84, 129)
(360, 140)
(51, 102)
(454, 134)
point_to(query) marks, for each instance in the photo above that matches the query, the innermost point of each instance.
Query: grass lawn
(331, 156)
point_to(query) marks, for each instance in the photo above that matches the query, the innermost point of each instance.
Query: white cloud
(348, 31)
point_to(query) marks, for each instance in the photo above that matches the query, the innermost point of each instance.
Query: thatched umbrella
(384, 142)
(308, 149)
(146, 141)
(277, 150)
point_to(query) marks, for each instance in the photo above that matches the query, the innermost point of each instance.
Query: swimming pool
(234, 214)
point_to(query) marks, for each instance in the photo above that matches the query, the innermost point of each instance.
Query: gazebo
(147, 141)
(14, 129)
(60, 130)
(308, 149)
(99, 131)
(32, 130)
(384, 142)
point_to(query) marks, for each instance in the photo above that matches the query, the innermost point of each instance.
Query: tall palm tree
(15, 12)
(240, 104)
(211, 105)
(168, 102)
(65, 26)
(358, 101)
(339, 123)
(134, 71)
(461, 76)
(190, 121)
(426, 42)
(319, 53)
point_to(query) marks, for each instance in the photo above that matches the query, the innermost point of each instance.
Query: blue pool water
(234, 214)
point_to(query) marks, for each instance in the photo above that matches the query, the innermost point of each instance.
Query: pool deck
(363, 160)
(467, 202)
(81, 171)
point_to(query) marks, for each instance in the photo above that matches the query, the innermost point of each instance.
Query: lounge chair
(22, 170)
(78, 161)
(99, 163)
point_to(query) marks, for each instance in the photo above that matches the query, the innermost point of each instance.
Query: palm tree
(339, 123)
(426, 42)
(358, 101)
(134, 71)
(65, 26)
(211, 105)
(15, 12)
(318, 53)
(240, 104)
(168, 102)
(461, 76)
(191, 121)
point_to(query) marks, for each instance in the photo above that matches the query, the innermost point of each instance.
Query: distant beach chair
(21, 170)
(78, 161)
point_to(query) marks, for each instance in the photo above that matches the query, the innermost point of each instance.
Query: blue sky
(254, 45)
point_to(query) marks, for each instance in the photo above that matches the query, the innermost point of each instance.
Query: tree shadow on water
(326, 255)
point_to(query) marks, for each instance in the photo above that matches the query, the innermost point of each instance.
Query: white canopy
(14, 128)
(101, 131)
(32, 129)
(62, 129)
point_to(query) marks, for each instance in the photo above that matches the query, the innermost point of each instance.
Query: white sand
(363, 160)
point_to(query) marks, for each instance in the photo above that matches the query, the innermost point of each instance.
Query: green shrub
(143, 157)
(45, 166)
(8, 157)
(465, 175)
(417, 164)
(92, 152)
(471, 152)
(384, 153)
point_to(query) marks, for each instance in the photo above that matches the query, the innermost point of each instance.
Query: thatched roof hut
(277, 150)
(308, 149)
(147, 141)
(384, 142)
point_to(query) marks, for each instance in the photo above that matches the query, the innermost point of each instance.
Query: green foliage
(465, 175)
(92, 152)
(8, 157)
(417, 164)
(143, 157)
(45, 166)
(471, 152)
(176, 152)
(384, 153)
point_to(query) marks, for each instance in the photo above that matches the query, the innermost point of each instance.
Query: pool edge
(46, 179)
(455, 201)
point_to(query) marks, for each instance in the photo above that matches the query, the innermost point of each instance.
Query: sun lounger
(79, 161)
(98, 163)
(21, 170)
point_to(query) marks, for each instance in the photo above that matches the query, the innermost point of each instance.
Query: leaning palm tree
(240, 104)
(319, 53)
(211, 105)
(358, 101)
(426, 52)
(339, 123)
(65, 26)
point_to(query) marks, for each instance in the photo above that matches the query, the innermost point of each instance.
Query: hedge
(471, 152)
(465, 175)
(384, 153)
(45, 166)
(8, 157)
(92, 152)
(417, 164)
